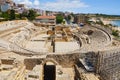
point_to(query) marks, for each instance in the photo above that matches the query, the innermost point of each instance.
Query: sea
(116, 22)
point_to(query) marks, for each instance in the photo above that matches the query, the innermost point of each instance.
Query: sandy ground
(106, 21)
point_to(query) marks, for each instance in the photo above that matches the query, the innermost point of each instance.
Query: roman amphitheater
(33, 51)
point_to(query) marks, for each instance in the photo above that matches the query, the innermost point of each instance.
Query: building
(46, 19)
(2, 2)
(19, 8)
(49, 19)
(80, 19)
(6, 5)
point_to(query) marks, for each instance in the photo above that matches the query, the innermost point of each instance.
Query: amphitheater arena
(33, 51)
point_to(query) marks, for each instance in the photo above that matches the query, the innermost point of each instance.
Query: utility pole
(53, 39)
(53, 44)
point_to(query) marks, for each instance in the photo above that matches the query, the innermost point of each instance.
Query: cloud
(36, 2)
(64, 5)
(55, 5)
(29, 3)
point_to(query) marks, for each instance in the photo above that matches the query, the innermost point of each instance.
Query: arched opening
(49, 71)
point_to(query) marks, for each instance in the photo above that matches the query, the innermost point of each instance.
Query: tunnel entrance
(49, 71)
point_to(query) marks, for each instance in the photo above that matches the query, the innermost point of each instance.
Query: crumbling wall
(109, 64)
(31, 63)
(65, 60)
(7, 61)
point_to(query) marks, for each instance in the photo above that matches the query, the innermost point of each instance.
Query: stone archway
(50, 60)
(49, 69)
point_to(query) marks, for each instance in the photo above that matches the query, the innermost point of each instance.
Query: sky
(76, 6)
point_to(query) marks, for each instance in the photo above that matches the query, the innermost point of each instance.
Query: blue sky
(77, 6)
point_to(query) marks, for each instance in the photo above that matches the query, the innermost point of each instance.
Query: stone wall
(9, 25)
(108, 65)
(7, 61)
(77, 73)
(31, 63)
(65, 60)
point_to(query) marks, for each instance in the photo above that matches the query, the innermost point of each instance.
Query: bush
(115, 33)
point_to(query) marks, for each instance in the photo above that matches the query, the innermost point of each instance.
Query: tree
(18, 16)
(5, 15)
(73, 15)
(100, 22)
(115, 33)
(69, 17)
(0, 8)
(31, 15)
(12, 14)
(24, 14)
(63, 22)
(59, 19)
